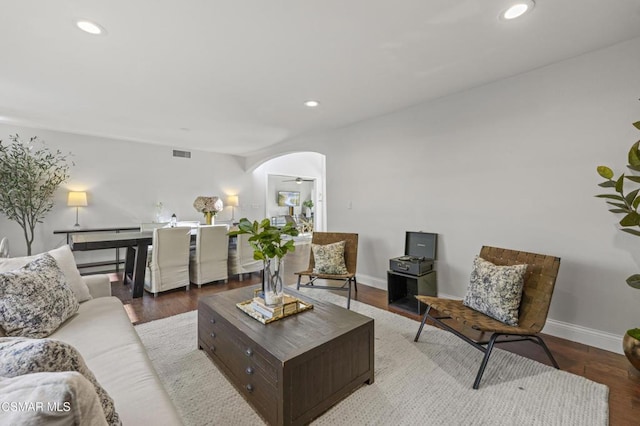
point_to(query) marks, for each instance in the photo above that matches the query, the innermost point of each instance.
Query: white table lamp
(232, 200)
(77, 199)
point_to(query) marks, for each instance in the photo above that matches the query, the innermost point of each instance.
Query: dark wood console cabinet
(401, 289)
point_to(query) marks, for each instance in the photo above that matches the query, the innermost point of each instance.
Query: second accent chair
(208, 262)
(495, 279)
(334, 256)
(168, 267)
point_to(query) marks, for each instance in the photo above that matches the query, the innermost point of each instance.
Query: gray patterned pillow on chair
(495, 290)
(19, 356)
(329, 258)
(35, 299)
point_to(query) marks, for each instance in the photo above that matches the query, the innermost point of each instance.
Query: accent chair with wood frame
(350, 260)
(539, 282)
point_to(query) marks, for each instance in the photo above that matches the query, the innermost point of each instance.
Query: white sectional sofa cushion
(103, 334)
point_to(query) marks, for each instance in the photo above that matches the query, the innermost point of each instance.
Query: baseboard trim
(575, 333)
(587, 336)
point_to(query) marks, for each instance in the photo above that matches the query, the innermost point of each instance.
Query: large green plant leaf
(619, 210)
(635, 179)
(611, 196)
(620, 184)
(605, 172)
(607, 184)
(631, 219)
(621, 206)
(630, 197)
(634, 281)
(631, 231)
(634, 157)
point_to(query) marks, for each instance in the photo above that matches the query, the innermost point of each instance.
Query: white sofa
(103, 334)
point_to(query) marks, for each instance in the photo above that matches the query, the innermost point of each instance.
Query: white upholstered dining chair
(168, 267)
(208, 262)
(241, 259)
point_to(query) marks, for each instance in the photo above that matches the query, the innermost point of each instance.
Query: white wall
(510, 164)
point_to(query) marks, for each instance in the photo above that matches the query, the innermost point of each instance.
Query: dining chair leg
(355, 284)
(349, 295)
(546, 349)
(298, 285)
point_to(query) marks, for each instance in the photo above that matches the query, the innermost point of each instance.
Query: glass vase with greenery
(269, 246)
(29, 178)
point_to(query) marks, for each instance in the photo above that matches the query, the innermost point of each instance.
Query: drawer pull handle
(213, 320)
(213, 348)
(213, 335)
(249, 370)
(249, 387)
(248, 352)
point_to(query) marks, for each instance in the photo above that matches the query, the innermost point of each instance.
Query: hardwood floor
(592, 363)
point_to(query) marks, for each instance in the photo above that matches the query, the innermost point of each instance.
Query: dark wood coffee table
(291, 370)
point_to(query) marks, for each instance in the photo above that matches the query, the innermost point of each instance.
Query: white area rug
(424, 383)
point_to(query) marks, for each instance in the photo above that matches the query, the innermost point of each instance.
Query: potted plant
(626, 201)
(29, 178)
(269, 246)
(308, 205)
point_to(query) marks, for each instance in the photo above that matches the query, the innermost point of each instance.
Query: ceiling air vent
(181, 154)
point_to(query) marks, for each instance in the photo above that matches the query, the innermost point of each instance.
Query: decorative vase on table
(273, 285)
(208, 218)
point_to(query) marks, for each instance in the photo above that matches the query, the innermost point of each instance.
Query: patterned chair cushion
(35, 299)
(19, 356)
(329, 258)
(495, 290)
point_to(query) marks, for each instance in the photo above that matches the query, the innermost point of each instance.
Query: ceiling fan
(298, 180)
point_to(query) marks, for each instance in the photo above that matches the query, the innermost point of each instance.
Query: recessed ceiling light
(90, 27)
(311, 103)
(517, 9)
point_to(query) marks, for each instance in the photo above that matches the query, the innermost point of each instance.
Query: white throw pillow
(20, 356)
(55, 399)
(35, 299)
(66, 262)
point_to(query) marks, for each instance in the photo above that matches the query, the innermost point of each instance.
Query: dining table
(136, 243)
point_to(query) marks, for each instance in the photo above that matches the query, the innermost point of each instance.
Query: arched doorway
(302, 173)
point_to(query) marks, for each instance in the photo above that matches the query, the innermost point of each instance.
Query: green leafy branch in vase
(622, 203)
(266, 239)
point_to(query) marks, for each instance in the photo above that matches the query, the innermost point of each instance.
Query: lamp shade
(77, 199)
(232, 200)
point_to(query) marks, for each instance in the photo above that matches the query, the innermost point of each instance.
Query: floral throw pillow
(329, 258)
(20, 356)
(35, 299)
(495, 290)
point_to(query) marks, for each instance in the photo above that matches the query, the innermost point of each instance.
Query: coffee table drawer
(245, 366)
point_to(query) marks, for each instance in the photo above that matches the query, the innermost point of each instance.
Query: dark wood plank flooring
(595, 364)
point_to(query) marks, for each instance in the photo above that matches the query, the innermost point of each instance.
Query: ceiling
(232, 76)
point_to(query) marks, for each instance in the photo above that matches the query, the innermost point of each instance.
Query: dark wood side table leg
(129, 263)
(139, 270)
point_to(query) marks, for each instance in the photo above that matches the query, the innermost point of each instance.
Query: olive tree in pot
(29, 177)
(269, 246)
(626, 201)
